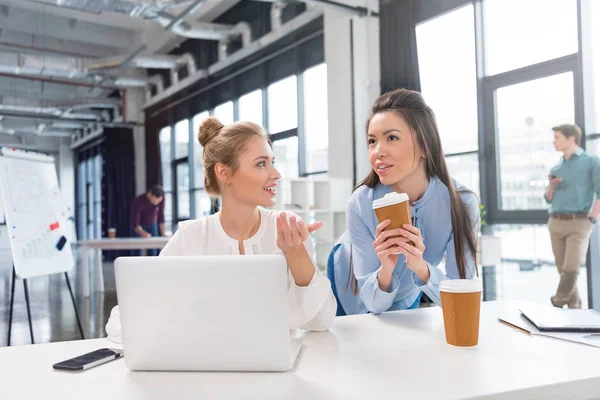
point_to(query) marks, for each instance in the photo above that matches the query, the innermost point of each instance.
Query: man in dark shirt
(147, 214)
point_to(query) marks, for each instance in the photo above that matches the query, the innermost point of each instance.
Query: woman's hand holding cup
(387, 246)
(413, 248)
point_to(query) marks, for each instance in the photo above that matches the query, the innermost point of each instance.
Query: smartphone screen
(89, 360)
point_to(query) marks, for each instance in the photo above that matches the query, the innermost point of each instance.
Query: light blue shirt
(431, 214)
(580, 176)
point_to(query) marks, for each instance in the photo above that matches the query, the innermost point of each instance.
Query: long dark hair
(420, 118)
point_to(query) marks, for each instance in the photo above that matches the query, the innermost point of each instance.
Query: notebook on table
(550, 319)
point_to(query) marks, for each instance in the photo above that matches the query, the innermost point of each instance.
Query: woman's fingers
(381, 227)
(383, 236)
(314, 226)
(411, 250)
(283, 226)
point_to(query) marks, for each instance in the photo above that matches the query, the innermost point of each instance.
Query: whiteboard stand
(12, 300)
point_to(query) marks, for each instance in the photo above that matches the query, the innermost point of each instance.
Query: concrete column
(66, 173)
(134, 102)
(352, 57)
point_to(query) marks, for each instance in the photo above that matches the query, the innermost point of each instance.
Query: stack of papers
(516, 320)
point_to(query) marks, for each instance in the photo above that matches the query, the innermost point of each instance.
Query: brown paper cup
(461, 303)
(397, 213)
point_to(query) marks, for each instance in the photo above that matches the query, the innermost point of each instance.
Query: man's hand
(554, 181)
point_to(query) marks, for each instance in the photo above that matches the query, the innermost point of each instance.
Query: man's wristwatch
(592, 219)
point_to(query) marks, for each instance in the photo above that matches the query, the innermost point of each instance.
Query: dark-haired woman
(393, 267)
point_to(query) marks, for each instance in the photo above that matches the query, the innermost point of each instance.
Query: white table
(155, 242)
(399, 355)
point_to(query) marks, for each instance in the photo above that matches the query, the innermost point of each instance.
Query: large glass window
(519, 33)
(595, 38)
(202, 202)
(224, 112)
(528, 271)
(250, 107)
(525, 115)
(201, 198)
(198, 166)
(89, 195)
(182, 138)
(182, 174)
(286, 157)
(164, 138)
(283, 105)
(465, 170)
(447, 67)
(316, 134)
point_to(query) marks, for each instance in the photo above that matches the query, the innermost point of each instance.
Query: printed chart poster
(35, 215)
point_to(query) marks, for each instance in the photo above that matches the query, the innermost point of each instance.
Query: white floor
(536, 285)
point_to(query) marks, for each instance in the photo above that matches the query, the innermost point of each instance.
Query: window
(182, 138)
(315, 118)
(202, 202)
(519, 33)
(164, 138)
(283, 105)
(525, 115)
(528, 262)
(465, 170)
(89, 195)
(286, 157)
(201, 198)
(446, 48)
(182, 174)
(595, 38)
(250, 107)
(198, 166)
(224, 112)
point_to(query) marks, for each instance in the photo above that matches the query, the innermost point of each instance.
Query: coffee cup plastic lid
(389, 199)
(461, 286)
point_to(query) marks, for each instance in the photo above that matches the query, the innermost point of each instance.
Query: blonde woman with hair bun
(239, 167)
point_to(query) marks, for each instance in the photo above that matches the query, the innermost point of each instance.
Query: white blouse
(311, 307)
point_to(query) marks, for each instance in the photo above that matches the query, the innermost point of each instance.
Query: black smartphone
(89, 360)
(61, 243)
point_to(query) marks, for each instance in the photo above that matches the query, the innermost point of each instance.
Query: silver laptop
(205, 313)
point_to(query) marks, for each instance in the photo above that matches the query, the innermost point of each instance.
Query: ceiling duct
(157, 82)
(59, 67)
(134, 8)
(194, 30)
(241, 29)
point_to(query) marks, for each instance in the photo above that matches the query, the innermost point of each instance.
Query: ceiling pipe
(195, 30)
(189, 10)
(186, 60)
(276, 15)
(241, 29)
(44, 49)
(157, 82)
(133, 8)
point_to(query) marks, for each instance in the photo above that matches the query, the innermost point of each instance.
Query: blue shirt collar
(577, 153)
(431, 186)
(381, 190)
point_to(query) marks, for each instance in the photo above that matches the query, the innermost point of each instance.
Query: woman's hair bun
(209, 128)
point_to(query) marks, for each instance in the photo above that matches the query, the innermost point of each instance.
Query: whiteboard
(37, 217)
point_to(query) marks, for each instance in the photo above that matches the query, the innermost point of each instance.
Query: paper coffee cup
(112, 233)
(461, 303)
(395, 207)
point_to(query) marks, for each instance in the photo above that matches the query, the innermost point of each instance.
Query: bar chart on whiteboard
(37, 218)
